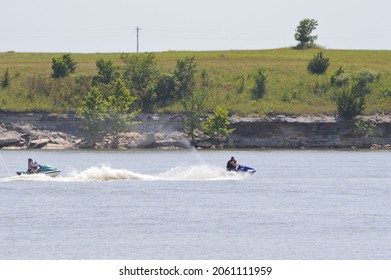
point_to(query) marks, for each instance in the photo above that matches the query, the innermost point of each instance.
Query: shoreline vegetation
(290, 96)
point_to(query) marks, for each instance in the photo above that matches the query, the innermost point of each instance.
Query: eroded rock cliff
(50, 131)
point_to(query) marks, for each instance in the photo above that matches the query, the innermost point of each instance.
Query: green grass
(290, 88)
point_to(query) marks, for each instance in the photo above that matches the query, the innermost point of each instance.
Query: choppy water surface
(183, 205)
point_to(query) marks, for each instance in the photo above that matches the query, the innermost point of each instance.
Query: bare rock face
(47, 131)
(39, 143)
(327, 132)
(10, 138)
(139, 140)
(173, 140)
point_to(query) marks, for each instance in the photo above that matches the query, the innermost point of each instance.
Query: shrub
(350, 104)
(63, 66)
(319, 64)
(362, 81)
(5, 81)
(364, 127)
(340, 78)
(259, 89)
(107, 72)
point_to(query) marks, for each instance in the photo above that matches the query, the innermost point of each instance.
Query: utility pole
(137, 29)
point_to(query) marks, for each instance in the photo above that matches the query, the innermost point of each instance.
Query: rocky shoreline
(51, 131)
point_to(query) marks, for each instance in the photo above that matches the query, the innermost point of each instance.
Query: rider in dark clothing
(32, 166)
(232, 164)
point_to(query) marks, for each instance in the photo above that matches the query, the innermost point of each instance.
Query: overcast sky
(109, 26)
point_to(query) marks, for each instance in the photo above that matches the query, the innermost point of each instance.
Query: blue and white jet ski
(43, 169)
(243, 169)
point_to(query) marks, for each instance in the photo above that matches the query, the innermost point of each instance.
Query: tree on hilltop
(303, 33)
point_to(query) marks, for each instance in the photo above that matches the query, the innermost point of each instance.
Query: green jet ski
(43, 169)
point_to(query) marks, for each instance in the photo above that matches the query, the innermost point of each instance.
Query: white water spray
(105, 173)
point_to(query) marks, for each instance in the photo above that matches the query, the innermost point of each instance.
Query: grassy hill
(290, 89)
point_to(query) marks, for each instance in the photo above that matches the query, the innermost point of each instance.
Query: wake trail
(106, 173)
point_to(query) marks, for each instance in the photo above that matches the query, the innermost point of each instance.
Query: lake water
(155, 204)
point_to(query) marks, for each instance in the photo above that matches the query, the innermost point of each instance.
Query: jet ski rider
(32, 166)
(232, 164)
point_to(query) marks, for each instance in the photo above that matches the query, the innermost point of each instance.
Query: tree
(259, 89)
(194, 108)
(216, 126)
(107, 72)
(5, 81)
(165, 89)
(63, 66)
(119, 104)
(140, 75)
(93, 110)
(184, 72)
(303, 33)
(319, 64)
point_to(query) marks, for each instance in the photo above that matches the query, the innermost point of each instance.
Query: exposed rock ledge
(50, 131)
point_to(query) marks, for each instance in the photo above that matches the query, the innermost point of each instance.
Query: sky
(98, 26)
